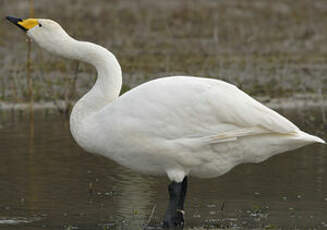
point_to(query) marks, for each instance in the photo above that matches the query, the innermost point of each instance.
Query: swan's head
(46, 33)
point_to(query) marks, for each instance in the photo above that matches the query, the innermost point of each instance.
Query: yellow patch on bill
(29, 23)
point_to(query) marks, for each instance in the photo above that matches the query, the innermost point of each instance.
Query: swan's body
(186, 125)
(177, 126)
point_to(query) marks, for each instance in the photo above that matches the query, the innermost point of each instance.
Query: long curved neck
(109, 79)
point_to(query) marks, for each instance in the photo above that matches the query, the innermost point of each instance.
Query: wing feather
(238, 108)
(209, 110)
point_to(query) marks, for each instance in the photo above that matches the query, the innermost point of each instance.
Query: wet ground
(48, 182)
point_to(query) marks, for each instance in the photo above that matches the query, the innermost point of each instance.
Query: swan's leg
(183, 195)
(174, 216)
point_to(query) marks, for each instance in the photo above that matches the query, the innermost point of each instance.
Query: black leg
(183, 194)
(174, 217)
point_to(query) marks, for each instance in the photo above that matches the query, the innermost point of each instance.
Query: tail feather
(310, 138)
(233, 135)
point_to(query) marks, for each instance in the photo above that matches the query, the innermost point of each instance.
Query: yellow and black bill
(23, 24)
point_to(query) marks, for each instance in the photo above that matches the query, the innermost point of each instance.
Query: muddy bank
(274, 49)
(296, 101)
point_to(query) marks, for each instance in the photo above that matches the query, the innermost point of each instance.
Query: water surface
(48, 182)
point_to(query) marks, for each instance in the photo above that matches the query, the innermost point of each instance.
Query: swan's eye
(40, 25)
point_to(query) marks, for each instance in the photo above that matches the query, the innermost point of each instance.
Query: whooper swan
(177, 126)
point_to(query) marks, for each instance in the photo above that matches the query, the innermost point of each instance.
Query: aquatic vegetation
(275, 50)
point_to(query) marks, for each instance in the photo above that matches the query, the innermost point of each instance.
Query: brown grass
(274, 48)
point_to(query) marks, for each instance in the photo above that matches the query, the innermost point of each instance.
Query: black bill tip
(15, 21)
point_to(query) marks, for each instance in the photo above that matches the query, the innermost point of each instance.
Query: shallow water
(48, 182)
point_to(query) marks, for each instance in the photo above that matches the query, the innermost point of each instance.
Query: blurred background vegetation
(273, 48)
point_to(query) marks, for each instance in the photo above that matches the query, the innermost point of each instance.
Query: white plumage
(188, 125)
(174, 125)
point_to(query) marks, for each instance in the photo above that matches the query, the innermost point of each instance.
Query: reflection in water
(140, 194)
(44, 174)
(32, 171)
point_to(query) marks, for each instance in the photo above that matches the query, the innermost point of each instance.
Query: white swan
(177, 126)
